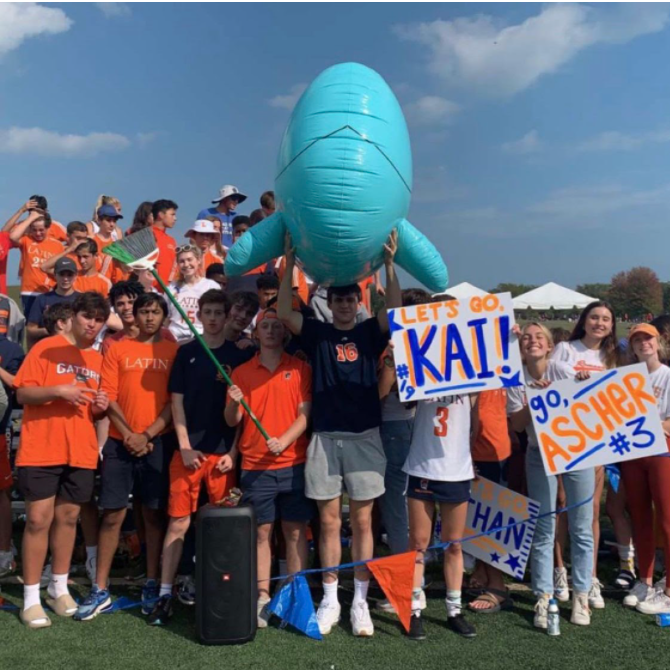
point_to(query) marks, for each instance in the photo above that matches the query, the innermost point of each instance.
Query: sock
(416, 599)
(92, 553)
(453, 601)
(166, 590)
(31, 595)
(360, 591)
(330, 593)
(626, 556)
(58, 586)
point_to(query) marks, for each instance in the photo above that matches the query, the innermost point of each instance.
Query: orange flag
(395, 575)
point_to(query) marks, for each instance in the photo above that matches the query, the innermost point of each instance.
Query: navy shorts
(277, 494)
(74, 485)
(147, 478)
(495, 471)
(440, 492)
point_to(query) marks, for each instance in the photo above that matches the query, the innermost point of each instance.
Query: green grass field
(616, 638)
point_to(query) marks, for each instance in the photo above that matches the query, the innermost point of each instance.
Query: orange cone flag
(395, 576)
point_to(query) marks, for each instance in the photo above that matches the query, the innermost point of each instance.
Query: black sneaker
(162, 612)
(461, 626)
(416, 631)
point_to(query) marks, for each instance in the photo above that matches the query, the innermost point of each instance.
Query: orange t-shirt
(57, 231)
(58, 433)
(365, 294)
(274, 398)
(492, 442)
(104, 263)
(33, 254)
(96, 282)
(167, 255)
(135, 375)
(209, 258)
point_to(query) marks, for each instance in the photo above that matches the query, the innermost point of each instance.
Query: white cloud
(19, 21)
(529, 144)
(616, 141)
(431, 110)
(40, 142)
(480, 52)
(288, 100)
(113, 9)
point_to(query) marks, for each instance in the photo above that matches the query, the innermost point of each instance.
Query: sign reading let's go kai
(609, 418)
(455, 347)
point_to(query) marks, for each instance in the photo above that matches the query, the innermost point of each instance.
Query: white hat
(202, 226)
(228, 190)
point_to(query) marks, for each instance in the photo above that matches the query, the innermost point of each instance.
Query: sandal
(499, 600)
(35, 617)
(64, 605)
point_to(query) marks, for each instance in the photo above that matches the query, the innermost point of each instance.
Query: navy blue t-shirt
(11, 357)
(226, 223)
(345, 397)
(195, 377)
(45, 300)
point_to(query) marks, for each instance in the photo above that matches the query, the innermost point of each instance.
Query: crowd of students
(114, 382)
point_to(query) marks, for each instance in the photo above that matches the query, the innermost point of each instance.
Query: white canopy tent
(551, 296)
(463, 290)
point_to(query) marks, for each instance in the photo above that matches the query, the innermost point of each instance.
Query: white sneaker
(660, 584)
(596, 600)
(90, 569)
(638, 593)
(581, 614)
(262, 612)
(385, 606)
(561, 585)
(658, 603)
(361, 623)
(327, 616)
(541, 612)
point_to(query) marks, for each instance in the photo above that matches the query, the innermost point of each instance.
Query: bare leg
(39, 517)
(154, 525)
(420, 515)
(108, 541)
(295, 534)
(172, 547)
(453, 528)
(63, 535)
(362, 541)
(264, 554)
(330, 546)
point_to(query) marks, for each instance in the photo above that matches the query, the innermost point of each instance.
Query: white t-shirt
(580, 357)
(187, 296)
(440, 448)
(660, 381)
(516, 395)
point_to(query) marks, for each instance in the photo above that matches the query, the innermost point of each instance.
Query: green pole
(208, 351)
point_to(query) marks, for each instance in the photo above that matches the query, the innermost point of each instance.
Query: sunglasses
(185, 247)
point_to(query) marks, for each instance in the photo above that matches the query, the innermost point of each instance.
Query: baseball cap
(66, 264)
(646, 328)
(228, 190)
(108, 210)
(269, 313)
(202, 226)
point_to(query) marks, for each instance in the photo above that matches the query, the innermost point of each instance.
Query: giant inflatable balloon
(343, 183)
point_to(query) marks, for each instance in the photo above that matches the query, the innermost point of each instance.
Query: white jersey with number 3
(440, 447)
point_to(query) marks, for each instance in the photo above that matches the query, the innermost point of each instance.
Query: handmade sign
(609, 418)
(456, 346)
(493, 506)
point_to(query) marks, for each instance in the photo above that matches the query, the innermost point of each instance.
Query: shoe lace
(92, 597)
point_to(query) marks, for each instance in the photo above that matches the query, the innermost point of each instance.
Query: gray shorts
(354, 461)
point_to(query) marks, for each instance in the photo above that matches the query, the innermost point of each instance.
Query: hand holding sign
(609, 418)
(455, 346)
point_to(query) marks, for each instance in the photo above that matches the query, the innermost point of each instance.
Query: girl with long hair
(143, 218)
(540, 371)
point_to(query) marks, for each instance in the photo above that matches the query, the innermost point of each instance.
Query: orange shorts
(5, 468)
(185, 484)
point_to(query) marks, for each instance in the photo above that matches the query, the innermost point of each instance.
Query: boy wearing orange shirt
(58, 385)
(31, 236)
(88, 277)
(136, 457)
(165, 217)
(278, 389)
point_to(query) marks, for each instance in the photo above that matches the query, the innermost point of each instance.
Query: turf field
(617, 638)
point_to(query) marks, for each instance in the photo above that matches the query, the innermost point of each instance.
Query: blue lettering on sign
(639, 432)
(481, 520)
(480, 516)
(418, 352)
(478, 325)
(517, 532)
(456, 352)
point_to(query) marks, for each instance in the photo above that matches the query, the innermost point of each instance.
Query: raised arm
(393, 295)
(19, 230)
(14, 218)
(292, 320)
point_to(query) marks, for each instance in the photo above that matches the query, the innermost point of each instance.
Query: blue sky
(540, 133)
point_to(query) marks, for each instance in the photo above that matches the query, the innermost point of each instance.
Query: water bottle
(553, 619)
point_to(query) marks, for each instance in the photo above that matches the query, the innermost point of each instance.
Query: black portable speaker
(225, 573)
